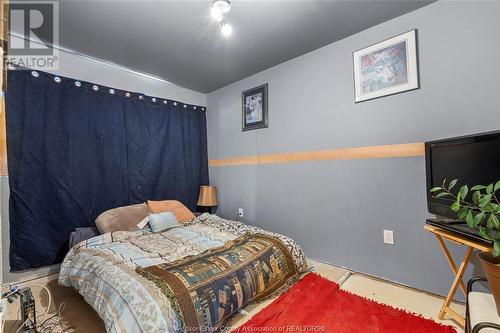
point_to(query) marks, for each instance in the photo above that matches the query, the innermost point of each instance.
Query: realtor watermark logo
(34, 29)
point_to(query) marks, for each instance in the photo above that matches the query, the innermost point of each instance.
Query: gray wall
(84, 69)
(337, 209)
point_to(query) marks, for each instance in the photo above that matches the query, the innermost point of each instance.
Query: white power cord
(49, 294)
(53, 324)
(22, 325)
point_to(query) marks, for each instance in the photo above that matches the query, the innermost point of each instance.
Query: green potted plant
(481, 212)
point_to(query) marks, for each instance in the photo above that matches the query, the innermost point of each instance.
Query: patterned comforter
(103, 270)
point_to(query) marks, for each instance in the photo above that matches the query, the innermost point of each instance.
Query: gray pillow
(162, 221)
(122, 218)
(81, 234)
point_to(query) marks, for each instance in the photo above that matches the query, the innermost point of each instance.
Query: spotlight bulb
(216, 14)
(225, 28)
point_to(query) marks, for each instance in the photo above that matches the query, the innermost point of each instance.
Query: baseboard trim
(381, 279)
(35, 280)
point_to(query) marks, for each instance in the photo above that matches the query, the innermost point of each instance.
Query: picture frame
(254, 108)
(386, 68)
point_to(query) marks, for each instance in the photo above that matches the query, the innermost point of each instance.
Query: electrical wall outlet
(389, 237)
(240, 212)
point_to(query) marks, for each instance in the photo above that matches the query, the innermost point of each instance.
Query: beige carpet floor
(81, 318)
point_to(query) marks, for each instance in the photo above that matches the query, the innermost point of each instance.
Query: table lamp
(208, 197)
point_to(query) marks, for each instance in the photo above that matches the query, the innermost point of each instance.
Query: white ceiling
(178, 40)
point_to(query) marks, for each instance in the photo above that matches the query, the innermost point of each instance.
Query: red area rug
(315, 304)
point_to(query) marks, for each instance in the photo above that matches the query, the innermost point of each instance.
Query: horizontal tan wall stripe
(386, 151)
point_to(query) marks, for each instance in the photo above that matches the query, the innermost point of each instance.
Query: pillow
(122, 218)
(182, 213)
(161, 221)
(81, 234)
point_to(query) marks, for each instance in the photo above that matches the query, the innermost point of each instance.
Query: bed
(113, 271)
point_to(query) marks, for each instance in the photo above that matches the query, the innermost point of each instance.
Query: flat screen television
(472, 159)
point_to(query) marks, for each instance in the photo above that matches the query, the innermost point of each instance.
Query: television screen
(472, 159)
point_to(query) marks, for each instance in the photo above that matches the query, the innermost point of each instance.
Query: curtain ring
(78, 83)
(35, 73)
(194, 107)
(175, 103)
(111, 91)
(57, 79)
(202, 109)
(165, 101)
(127, 94)
(95, 87)
(153, 99)
(141, 97)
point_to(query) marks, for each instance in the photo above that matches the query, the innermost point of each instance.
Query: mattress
(103, 269)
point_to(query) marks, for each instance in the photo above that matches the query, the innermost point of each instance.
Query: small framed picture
(386, 68)
(254, 108)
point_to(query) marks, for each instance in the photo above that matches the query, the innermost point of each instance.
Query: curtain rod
(97, 60)
(141, 96)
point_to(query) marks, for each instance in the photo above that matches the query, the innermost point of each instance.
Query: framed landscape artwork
(386, 68)
(254, 108)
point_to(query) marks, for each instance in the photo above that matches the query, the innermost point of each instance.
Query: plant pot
(491, 266)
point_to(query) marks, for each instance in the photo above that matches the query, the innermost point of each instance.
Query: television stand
(447, 221)
(458, 227)
(441, 234)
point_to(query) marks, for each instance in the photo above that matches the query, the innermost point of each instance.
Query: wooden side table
(459, 271)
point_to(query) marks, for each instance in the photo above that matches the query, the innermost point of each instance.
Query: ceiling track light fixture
(217, 11)
(219, 8)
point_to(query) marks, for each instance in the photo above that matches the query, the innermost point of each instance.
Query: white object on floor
(344, 278)
(482, 308)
